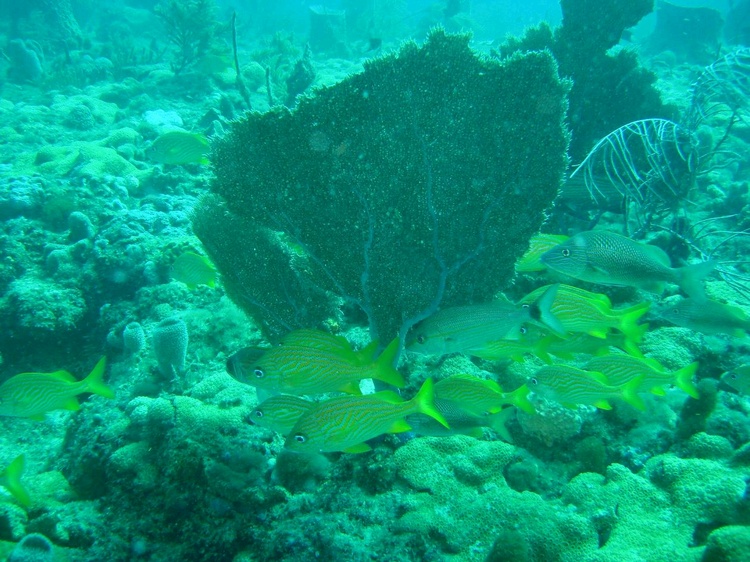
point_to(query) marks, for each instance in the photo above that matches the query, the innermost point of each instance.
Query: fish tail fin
(424, 403)
(629, 321)
(497, 423)
(384, 369)
(683, 379)
(541, 350)
(629, 393)
(546, 317)
(520, 399)
(95, 380)
(629, 346)
(11, 479)
(692, 277)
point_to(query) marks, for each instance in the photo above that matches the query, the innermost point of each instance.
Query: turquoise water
(472, 209)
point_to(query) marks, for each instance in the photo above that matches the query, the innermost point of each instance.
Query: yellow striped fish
(10, 479)
(708, 316)
(738, 379)
(528, 343)
(621, 369)
(280, 413)
(346, 423)
(481, 396)
(31, 395)
(579, 310)
(579, 342)
(538, 245)
(304, 370)
(571, 386)
(193, 270)
(180, 147)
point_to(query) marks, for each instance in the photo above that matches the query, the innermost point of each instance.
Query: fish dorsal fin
(653, 364)
(63, 376)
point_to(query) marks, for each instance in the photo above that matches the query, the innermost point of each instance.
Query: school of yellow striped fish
(310, 385)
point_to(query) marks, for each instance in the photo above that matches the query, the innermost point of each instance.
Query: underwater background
(394, 280)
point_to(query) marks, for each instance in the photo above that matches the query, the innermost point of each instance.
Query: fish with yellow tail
(708, 317)
(306, 337)
(10, 479)
(32, 395)
(279, 413)
(193, 269)
(598, 256)
(346, 423)
(460, 329)
(538, 246)
(565, 348)
(462, 422)
(308, 370)
(578, 310)
(620, 369)
(571, 387)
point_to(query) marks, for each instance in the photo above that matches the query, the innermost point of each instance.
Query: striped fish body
(598, 256)
(621, 369)
(193, 270)
(584, 343)
(476, 396)
(512, 349)
(347, 422)
(180, 147)
(460, 422)
(571, 386)
(280, 413)
(538, 245)
(738, 379)
(31, 395)
(582, 311)
(309, 370)
(462, 328)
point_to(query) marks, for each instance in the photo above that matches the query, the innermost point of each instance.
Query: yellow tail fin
(11, 479)
(95, 383)
(683, 379)
(424, 403)
(384, 369)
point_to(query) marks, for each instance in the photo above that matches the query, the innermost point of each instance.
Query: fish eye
(259, 372)
(258, 413)
(523, 331)
(421, 338)
(300, 438)
(525, 305)
(534, 381)
(565, 253)
(733, 376)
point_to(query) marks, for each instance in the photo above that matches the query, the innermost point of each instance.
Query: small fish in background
(538, 245)
(571, 387)
(193, 269)
(460, 329)
(10, 479)
(578, 310)
(738, 380)
(498, 350)
(598, 256)
(180, 147)
(280, 413)
(346, 423)
(707, 316)
(309, 370)
(620, 369)
(566, 348)
(32, 395)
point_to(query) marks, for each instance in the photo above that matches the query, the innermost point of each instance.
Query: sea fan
(650, 161)
(723, 86)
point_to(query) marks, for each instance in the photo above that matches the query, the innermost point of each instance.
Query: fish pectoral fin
(603, 405)
(658, 391)
(358, 448)
(399, 426)
(351, 388)
(72, 404)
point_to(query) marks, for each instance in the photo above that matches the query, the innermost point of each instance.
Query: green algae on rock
(412, 185)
